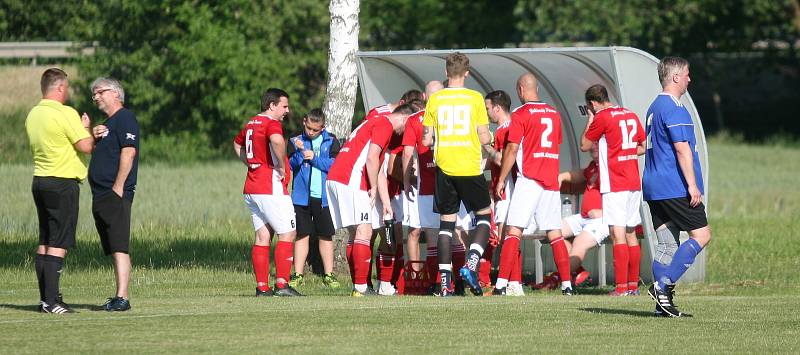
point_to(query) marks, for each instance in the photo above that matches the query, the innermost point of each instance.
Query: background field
(192, 286)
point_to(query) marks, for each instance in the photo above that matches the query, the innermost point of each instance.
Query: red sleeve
(515, 130)
(382, 134)
(596, 128)
(410, 134)
(640, 134)
(239, 139)
(274, 128)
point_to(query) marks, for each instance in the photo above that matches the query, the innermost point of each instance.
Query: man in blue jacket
(311, 154)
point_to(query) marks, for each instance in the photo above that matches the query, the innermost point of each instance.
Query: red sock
(284, 254)
(362, 256)
(486, 264)
(561, 258)
(399, 262)
(621, 267)
(385, 267)
(508, 256)
(459, 256)
(516, 271)
(349, 254)
(260, 256)
(634, 257)
(432, 264)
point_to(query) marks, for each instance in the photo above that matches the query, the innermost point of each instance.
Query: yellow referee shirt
(52, 129)
(454, 114)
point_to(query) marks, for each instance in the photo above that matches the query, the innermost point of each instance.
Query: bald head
(528, 88)
(432, 87)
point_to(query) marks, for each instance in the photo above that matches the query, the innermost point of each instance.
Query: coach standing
(56, 134)
(673, 184)
(112, 176)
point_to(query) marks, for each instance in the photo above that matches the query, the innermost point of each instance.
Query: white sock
(501, 283)
(513, 284)
(360, 287)
(476, 247)
(565, 284)
(448, 267)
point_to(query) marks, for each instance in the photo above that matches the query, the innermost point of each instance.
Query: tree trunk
(340, 97)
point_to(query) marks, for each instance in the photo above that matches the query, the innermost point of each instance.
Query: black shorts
(450, 191)
(679, 212)
(57, 201)
(112, 217)
(314, 219)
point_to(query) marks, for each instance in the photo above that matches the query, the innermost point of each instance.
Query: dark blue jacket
(301, 170)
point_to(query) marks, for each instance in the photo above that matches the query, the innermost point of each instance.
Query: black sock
(52, 275)
(481, 238)
(38, 264)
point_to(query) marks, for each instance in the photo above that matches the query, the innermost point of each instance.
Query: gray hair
(670, 66)
(110, 83)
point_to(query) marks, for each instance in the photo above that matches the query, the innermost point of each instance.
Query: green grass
(192, 285)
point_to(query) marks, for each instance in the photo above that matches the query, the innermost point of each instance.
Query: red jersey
(592, 199)
(500, 139)
(262, 178)
(536, 127)
(382, 110)
(395, 147)
(350, 166)
(412, 137)
(617, 132)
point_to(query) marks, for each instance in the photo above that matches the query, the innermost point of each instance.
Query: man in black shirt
(112, 176)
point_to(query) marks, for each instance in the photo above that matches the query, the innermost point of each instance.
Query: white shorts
(465, 220)
(276, 211)
(500, 211)
(398, 207)
(349, 206)
(419, 213)
(622, 208)
(594, 226)
(532, 206)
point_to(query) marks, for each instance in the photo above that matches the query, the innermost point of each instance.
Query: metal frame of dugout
(564, 74)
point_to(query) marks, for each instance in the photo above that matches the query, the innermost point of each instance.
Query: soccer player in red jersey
(261, 146)
(386, 109)
(619, 136)
(587, 226)
(533, 144)
(353, 188)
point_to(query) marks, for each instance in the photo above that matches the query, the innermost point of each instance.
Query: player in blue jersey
(673, 184)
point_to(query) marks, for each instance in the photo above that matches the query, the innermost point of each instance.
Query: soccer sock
(561, 259)
(349, 254)
(445, 257)
(473, 257)
(479, 241)
(362, 255)
(621, 267)
(516, 271)
(260, 256)
(683, 259)
(399, 263)
(458, 258)
(508, 257)
(385, 266)
(483, 272)
(660, 274)
(634, 257)
(284, 254)
(53, 265)
(38, 263)
(431, 263)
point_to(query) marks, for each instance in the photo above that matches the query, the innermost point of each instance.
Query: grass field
(192, 285)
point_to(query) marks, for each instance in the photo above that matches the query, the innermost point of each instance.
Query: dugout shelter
(564, 74)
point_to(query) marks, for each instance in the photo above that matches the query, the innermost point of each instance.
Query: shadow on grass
(624, 312)
(35, 307)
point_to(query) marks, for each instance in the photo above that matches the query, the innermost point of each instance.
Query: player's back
(618, 133)
(454, 114)
(536, 126)
(668, 121)
(349, 166)
(261, 160)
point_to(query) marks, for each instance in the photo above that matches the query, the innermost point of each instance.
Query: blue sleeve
(128, 131)
(679, 125)
(323, 163)
(295, 155)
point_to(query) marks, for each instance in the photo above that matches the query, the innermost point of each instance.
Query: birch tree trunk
(340, 97)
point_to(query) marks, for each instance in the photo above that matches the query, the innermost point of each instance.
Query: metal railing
(34, 50)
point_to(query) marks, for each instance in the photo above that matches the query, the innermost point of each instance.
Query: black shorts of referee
(112, 217)
(680, 212)
(57, 202)
(451, 191)
(314, 220)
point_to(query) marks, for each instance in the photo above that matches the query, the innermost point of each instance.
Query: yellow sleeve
(73, 128)
(428, 119)
(481, 117)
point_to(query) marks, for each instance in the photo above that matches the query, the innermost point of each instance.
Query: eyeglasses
(99, 92)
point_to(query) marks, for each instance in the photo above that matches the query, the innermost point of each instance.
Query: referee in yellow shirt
(56, 134)
(457, 118)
